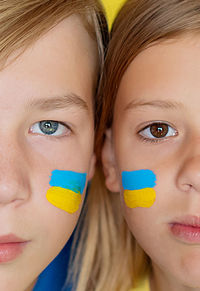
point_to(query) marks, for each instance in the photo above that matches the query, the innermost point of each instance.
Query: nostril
(12, 192)
(186, 187)
(189, 187)
(188, 176)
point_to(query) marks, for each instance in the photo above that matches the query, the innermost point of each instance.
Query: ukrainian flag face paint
(66, 190)
(138, 188)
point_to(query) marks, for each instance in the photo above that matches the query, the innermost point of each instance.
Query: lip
(11, 247)
(186, 229)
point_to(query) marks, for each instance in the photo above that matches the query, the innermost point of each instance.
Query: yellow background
(111, 8)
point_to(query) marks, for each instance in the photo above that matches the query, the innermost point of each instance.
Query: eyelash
(51, 136)
(155, 140)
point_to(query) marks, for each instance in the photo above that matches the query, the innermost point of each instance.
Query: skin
(61, 62)
(170, 72)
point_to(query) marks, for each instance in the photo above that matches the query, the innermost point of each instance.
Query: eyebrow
(162, 104)
(59, 102)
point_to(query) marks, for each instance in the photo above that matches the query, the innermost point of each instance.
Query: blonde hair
(22, 22)
(112, 259)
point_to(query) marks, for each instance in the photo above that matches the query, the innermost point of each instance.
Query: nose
(188, 177)
(14, 182)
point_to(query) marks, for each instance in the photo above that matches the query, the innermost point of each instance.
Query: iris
(48, 127)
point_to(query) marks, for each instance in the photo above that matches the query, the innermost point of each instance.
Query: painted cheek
(66, 191)
(138, 188)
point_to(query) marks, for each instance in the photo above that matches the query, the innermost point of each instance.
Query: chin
(189, 270)
(11, 286)
(191, 282)
(13, 281)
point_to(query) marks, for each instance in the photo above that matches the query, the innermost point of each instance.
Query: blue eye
(157, 130)
(50, 127)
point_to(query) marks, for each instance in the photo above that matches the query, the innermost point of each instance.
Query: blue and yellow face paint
(138, 188)
(66, 190)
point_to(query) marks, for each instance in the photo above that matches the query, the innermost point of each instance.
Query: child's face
(52, 80)
(156, 127)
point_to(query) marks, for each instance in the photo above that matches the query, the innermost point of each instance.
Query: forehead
(162, 71)
(64, 59)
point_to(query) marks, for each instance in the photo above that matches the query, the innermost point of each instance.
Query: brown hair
(112, 258)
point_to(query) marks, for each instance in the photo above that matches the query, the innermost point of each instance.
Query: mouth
(186, 229)
(11, 247)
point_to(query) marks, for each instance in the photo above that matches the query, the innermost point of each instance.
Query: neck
(30, 287)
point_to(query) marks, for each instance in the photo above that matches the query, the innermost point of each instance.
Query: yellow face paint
(66, 190)
(138, 188)
(64, 199)
(140, 198)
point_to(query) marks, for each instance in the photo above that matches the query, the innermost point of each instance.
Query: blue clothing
(54, 276)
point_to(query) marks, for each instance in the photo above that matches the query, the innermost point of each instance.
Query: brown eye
(159, 130)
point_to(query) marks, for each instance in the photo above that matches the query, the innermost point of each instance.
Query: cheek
(63, 188)
(57, 196)
(54, 228)
(53, 215)
(60, 193)
(138, 188)
(70, 154)
(143, 225)
(58, 223)
(67, 189)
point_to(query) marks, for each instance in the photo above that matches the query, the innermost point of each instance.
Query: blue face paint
(140, 179)
(66, 190)
(138, 186)
(69, 180)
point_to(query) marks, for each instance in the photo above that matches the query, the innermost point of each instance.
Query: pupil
(159, 130)
(48, 127)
